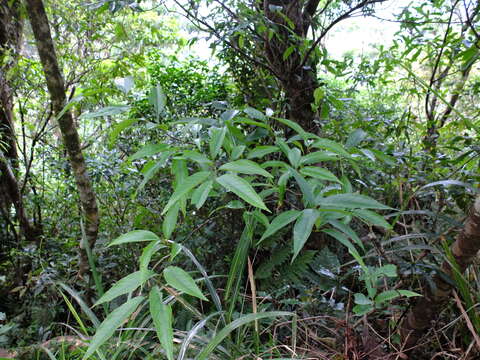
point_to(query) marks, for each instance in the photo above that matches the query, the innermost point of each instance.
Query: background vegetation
(213, 180)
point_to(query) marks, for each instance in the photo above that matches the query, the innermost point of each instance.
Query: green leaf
(347, 230)
(302, 229)
(294, 156)
(182, 281)
(197, 157)
(360, 310)
(361, 299)
(392, 294)
(116, 318)
(317, 156)
(294, 126)
(279, 222)
(125, 285)
(355, 138)
(288, 52)
(242, 189)
(106, 111)
(149, 150)
(331, 146)
(351, 201)
(146, 256)
(162, 319)
(371, 218)
(222, 334)
(344, 240)
(255, 114)
(304, 187)
(135, 236)
(185, 186)
(237, 151)
(170, 220)
(261, 151)
(201, 193)
(158, 99)
(245, 167)
(216, 140)
(319, 173)
(118, 128)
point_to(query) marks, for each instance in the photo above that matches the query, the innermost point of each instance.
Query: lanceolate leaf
(332, 146)
(216, 141)
(116, 318)
(200, 194)
(318, 156)
(184, 187)
(261, 151)
(170, 220)
(351, 201)
(242, 189)
(280, 221)
(245, 167)
(162, 319)
(319, 173)
(148, 150)
(181, 280)
(125, 285)
(135, 236)
(371, 218)
(302, 229)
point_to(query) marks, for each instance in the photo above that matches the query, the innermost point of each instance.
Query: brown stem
(56, 87)
(427, 308)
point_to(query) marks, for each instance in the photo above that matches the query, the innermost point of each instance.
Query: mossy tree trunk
(56, 87)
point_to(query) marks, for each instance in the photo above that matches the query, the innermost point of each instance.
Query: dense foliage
(208, 180)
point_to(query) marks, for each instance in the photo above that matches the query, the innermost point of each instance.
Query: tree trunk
(56, 87)
(427, 308)
(11, 27)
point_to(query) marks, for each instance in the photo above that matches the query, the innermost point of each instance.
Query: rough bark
(427, 308)
(12, 192)
(11, 27)
(56, 87)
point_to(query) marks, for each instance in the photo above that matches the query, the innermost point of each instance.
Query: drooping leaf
(245, 167)
(279, 222)
(116, 318)
(319, 173)
(351, 201)
(216, 141)
(185, 186)
(392, 294)
(371, 218)
(222, 334)
(148, 150)
(146, 256)
(125, 285)
(170, 220)
(162, 319)
(303, 228)
(317, 157)
(355, 138)
(201, 193)
(181, 280)
(261, 151)
(135, 236)
(158, 99)
(242, 189)
(332, 146)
